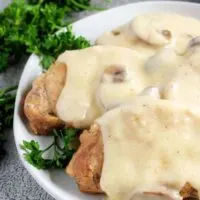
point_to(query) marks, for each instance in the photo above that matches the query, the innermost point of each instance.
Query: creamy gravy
(125, 37)
(183, 84)
(102, 77)
(109, 76)
(150, 145)
(88, 71)
(149, 32)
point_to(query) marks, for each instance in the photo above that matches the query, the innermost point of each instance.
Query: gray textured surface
(15, 181)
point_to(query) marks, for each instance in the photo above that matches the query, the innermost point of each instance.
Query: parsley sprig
(63, 147)
(7, 100)
(55, 44)
(28, 27)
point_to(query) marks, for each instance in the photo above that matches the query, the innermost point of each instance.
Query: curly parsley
(63, 147)
(28, 27)
(7, 100)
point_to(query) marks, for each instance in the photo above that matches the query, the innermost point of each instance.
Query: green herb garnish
(63, 147)
(29, 27)
(53, 45)
(7, 100)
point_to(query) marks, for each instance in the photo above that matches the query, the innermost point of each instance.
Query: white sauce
(144, 34)
(164, 28)
(77, 103)
(150, 145)
(126, 38)
(184, 86)
(161, 66)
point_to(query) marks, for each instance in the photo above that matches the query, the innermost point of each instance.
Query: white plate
(57, 183)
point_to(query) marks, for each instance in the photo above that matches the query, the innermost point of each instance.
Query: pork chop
(86, 167)
(40, 102)
(86, 164)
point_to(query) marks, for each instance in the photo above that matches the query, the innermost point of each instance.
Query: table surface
(15, 181)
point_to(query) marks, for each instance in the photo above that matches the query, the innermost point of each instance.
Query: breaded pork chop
(40, 102)
(86, 166)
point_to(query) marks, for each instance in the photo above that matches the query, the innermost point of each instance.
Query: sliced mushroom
(192, 53)
(116, 32)
(163, 59)
(114, 88)
(160, 66)
(194, 42)
(151, 31)
(114, 74)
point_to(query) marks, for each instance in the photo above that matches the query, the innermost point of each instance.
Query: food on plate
(109, 76)
(183, 85)
(147, 33)
(68, 92)
(148, 146)
(86, 165)
(136, 96)
(58, 154)
(40, 102)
